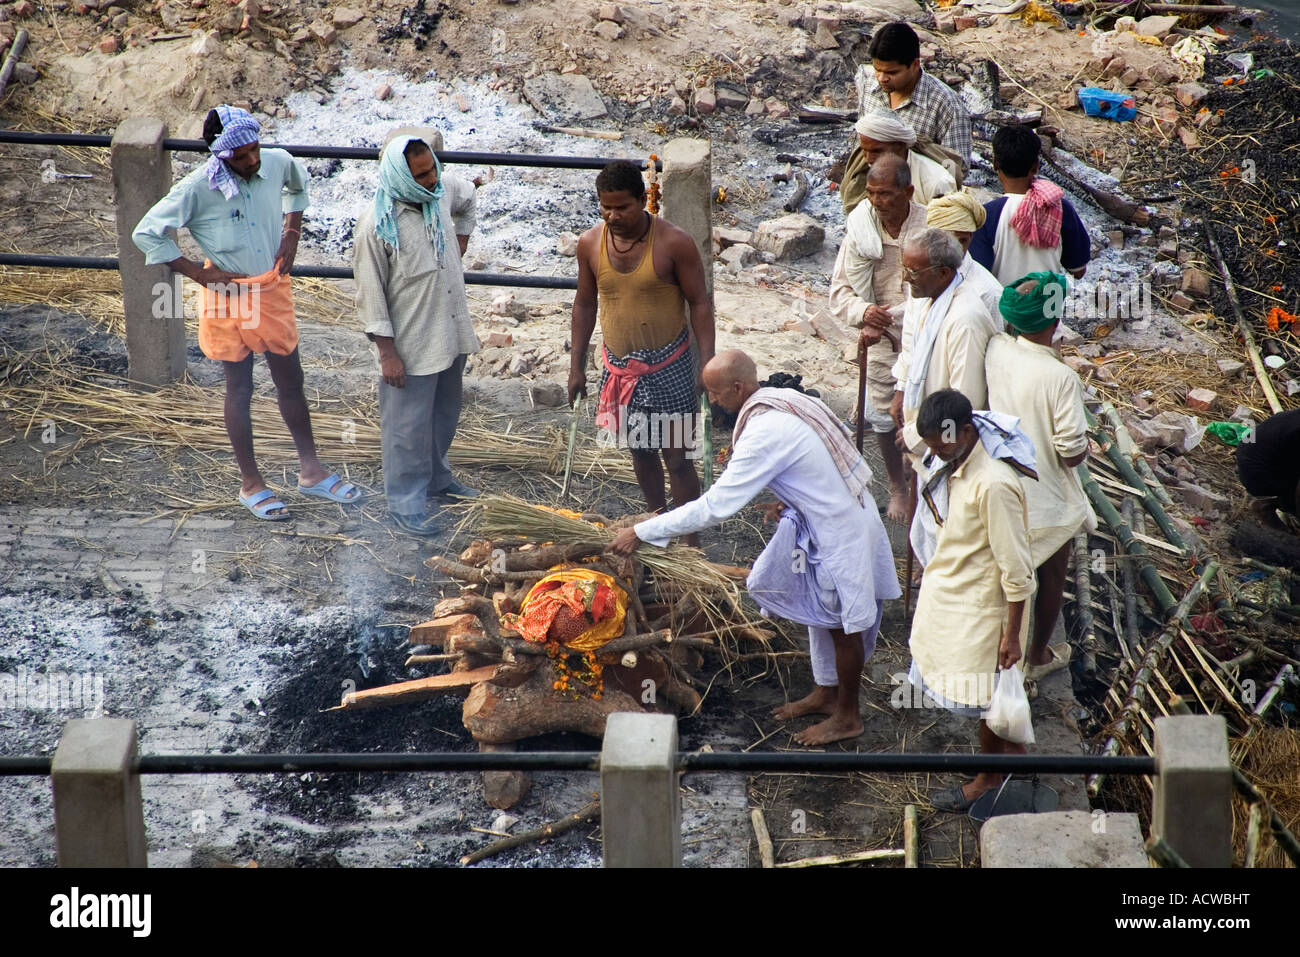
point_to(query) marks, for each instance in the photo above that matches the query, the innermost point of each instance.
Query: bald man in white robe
(828, 565)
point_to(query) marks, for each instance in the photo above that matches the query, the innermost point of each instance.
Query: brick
(499, 340)
(706, 101)
(1196, 282)
(109, 45)
(1230, 367)
(1190, 94)
(1202, 399)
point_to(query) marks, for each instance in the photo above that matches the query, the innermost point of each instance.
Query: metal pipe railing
(541, 160)
(320, 272)
(749, 762)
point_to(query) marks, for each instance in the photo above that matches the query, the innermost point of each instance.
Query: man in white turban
(880, 133)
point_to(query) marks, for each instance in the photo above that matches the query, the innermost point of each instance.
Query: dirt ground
(129, 560)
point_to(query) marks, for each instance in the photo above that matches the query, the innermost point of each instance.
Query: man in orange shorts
(244, 209)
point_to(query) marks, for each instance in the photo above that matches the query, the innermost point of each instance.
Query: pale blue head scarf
(238, 128)
(397, 183)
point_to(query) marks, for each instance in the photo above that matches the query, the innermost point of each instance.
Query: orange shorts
(251, 314)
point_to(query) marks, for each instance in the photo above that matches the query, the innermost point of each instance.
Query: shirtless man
(641, 271)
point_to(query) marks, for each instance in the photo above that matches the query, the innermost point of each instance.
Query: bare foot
(916, 577)
(834, 728)
(820, 701)
(897, 510)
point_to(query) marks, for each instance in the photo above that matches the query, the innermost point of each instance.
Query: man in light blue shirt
(244, 209)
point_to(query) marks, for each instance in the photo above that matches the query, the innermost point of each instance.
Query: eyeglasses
(910, 274)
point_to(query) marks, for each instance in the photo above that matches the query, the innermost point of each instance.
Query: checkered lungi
(669, 391)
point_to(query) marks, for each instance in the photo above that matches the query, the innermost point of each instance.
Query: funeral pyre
(547, 633)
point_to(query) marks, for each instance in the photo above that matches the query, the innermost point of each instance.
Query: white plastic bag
(1008, 712)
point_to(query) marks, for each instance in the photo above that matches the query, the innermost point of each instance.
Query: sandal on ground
(263, 503)
(952, 799)
(346, 493)
(1060, 659)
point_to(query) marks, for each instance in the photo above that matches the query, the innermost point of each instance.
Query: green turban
(1038, 309)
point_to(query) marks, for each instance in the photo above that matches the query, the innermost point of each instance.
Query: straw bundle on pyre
(547, 633)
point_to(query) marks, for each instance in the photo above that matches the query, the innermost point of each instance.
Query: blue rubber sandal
(262, 503)
(322, 490)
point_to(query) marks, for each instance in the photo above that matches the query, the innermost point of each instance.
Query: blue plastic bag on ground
(1111, 106)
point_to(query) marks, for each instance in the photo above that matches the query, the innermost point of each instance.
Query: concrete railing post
(98, 811)
(1192, 810)
(155, 313)
(687, 186)
(640, 801)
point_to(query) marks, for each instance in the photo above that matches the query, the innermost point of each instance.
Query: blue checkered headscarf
(238, 128)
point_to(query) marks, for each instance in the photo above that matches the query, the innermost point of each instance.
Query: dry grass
(1269, 758)
(99, 408)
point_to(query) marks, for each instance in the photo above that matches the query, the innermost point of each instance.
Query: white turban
(885, 128)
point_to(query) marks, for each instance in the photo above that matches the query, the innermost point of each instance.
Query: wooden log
(766, 853)
(1113, 203)
(485, 575)
(421, 689)
(911, 838)
(436, 631)
(504, 789)
(462, 604)
(854, 858)
(588, 813)
(500, 715)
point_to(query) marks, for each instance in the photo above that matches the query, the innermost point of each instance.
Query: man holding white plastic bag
(970, 614)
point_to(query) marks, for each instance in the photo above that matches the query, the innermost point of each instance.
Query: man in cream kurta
(945, 331)
(970, 612)
(412, 305)
(868, 293)
(829, 563)
(1027, 379)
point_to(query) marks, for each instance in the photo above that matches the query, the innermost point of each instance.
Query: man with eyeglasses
(946, 329)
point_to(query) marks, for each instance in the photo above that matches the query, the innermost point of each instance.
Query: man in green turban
(411, 299)
(1026, 378)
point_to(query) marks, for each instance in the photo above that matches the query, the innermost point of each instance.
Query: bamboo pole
(1247, 336)
(1083, 602)
(1143, 467)
(853, 858)
(766, 854)
(911, 838)
(1128, 574)
(1132, 547)
(1139, 689)
(1252, 834)
(1110, 448)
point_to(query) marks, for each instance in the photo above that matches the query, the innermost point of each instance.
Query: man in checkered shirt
(896, 81)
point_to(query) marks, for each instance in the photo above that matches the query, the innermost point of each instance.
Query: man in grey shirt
(411, 298)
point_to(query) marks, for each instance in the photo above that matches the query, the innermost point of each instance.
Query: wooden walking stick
(862, 393)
